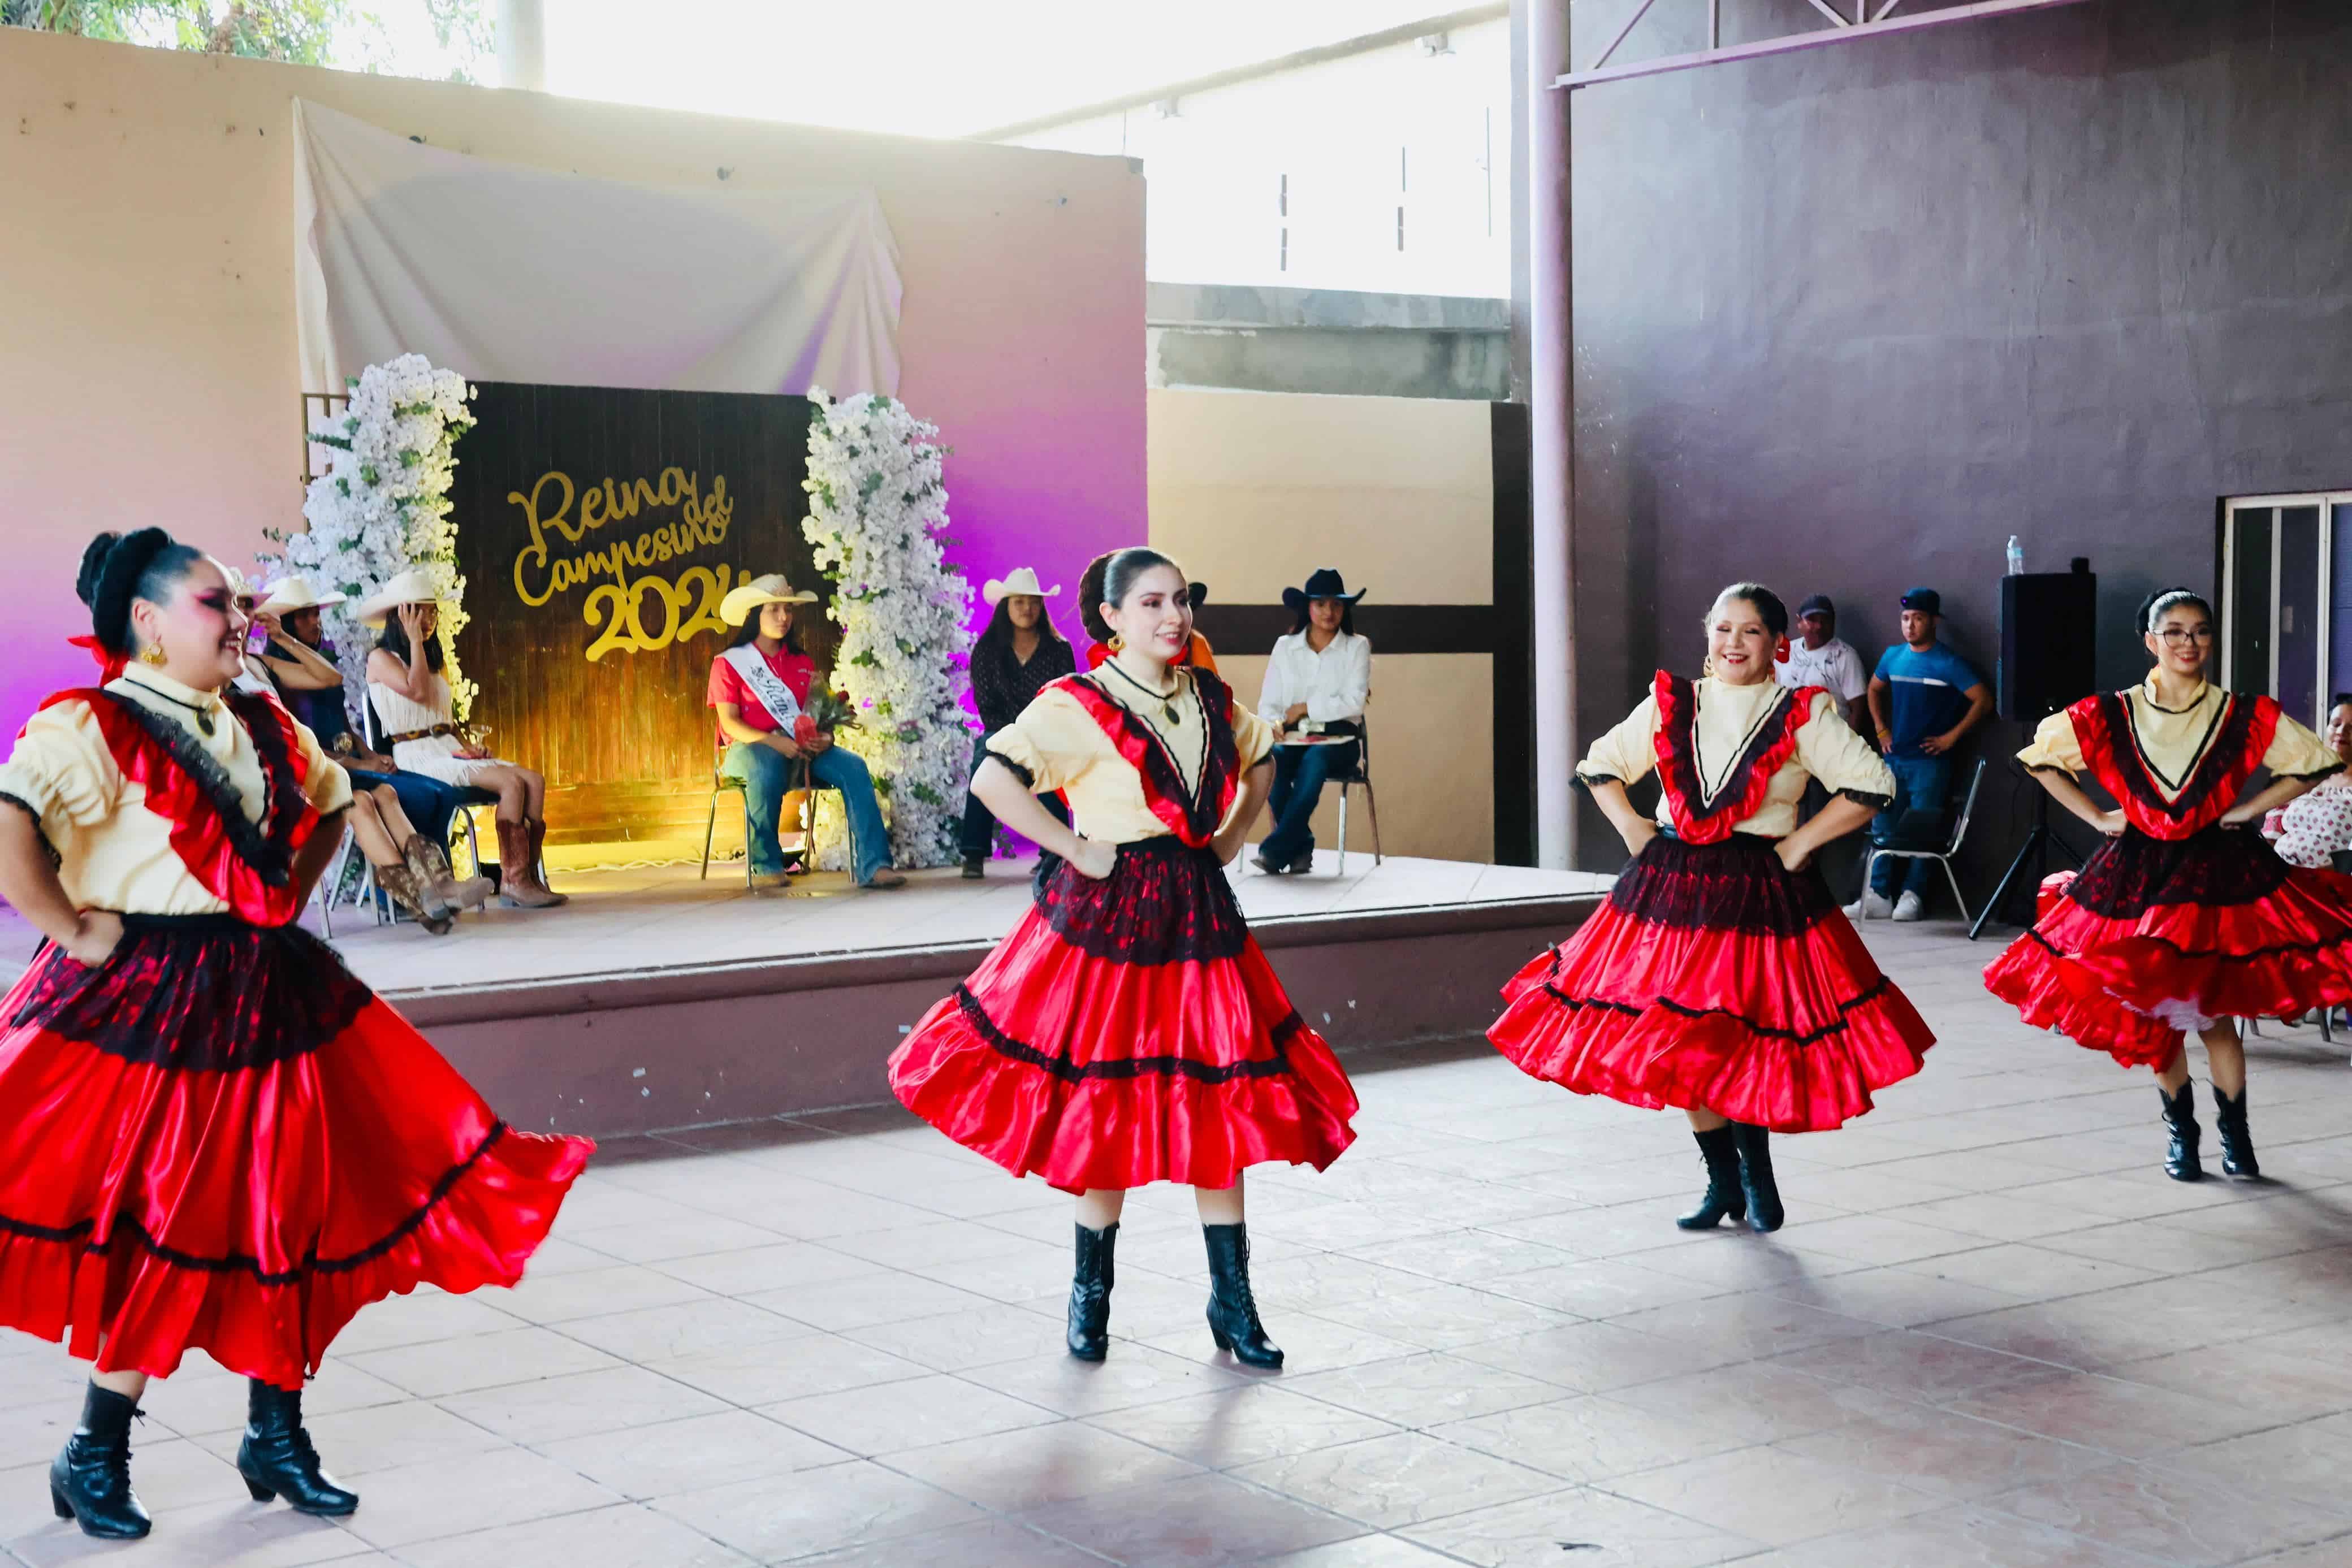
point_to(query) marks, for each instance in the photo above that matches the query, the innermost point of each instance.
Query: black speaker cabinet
(2049, 641)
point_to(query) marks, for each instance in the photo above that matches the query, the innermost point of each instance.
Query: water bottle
(2016, 558)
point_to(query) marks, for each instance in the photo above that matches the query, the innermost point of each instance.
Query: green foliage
(349, 33)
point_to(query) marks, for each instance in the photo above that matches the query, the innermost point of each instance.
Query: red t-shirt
(795, 670)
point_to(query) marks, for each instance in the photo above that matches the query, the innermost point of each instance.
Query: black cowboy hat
(1323, 583)
(1198, 592)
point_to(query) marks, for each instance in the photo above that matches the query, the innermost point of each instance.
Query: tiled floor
(1992, 1336)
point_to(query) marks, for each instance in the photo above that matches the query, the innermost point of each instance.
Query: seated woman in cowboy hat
(1317, 685)
(410, 861)
(412, 703)
(1018, 652)
(758, 686)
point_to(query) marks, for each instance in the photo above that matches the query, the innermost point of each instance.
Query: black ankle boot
(2180, 1161)
(2237, 1139)
(1233, 1310)
(90, 1481)
(277, 1459)
(1090, 1293)
(1718, 1146)
(1755, 1184)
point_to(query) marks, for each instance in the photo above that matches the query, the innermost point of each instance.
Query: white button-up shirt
(1333, 684)
(1834, 665)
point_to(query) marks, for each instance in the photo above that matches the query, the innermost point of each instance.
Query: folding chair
(1942, 857)
(796, 842)
(1360, 776)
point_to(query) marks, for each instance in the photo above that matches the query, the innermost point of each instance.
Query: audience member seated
(1017, 654)
(1317, 684)
(412, 703)
(760, 686)
(1818, 656)
(1924, 699)
(2314, 829)
(1090, 593)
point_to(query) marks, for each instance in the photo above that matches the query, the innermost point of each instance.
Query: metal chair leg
(1373, 809)
(748, 885)
(1869, 866)
(1343, 832)
(710, 830)
(1945, 862)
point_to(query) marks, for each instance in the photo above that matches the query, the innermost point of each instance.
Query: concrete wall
(1847, 318)
(1252, 492)
(148, 344)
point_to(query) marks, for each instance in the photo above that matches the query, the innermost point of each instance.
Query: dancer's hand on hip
(95, 937)
(1093, 859)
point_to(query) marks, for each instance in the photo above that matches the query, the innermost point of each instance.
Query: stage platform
(657, 1001)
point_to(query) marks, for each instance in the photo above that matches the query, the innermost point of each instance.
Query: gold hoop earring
(153, 653)
(1116, 642)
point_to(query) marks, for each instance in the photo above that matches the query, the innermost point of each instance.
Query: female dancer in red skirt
(1721, 977)
(1129, 1031)
(218, 1139)
(2186, 918)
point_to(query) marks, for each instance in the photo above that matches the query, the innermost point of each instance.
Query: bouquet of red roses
(826, 711)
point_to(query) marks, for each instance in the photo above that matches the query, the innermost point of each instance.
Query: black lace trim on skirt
(2218, 866)
(1846, 1009)
(1163, 903)
(1073, 1071)
(205, 994)
(1735, 884)
(126, 1227)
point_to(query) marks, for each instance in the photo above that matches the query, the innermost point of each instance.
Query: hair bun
(93, 565)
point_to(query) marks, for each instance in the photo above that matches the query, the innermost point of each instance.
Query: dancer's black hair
(1769, 608)
(119, 570)
(2164, 598)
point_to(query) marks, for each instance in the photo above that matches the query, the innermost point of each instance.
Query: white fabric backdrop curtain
(512, 274)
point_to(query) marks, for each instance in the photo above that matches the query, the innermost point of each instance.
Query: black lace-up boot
(277, 1459)
(1755, 1184)
(1232, 1310)
(1719, 1147)
(2237, 1138)
(1090, 1293)
(90, 1481)
(2180, 1161)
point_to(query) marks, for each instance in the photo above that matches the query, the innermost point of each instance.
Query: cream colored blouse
(2174, 740)
(1729, 720)
(111, 854)
(1058, 744)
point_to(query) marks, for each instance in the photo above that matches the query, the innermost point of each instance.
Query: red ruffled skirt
(1716, 978)
(221, 1139)
(2157, 936)
(1128, 1032)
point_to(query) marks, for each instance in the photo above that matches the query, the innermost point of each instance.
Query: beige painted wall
(147, 350)
(1252, 491)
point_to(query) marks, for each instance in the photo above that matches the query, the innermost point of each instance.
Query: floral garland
(877, 509)
(382, 507)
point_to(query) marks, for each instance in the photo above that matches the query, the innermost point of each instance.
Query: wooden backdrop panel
(592, 653)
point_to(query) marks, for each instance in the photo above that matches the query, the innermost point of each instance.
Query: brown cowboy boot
(419, 900)
(538, 826)
(431, 864)
(518, 883)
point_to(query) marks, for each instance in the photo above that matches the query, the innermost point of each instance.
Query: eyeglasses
(2180, 637)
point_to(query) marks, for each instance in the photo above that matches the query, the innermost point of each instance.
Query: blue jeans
(979, 835)
(767, 777)
(1299, 774)
(1923, 795)
(428, 804)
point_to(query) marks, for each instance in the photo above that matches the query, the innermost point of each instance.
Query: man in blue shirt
(1924, 698)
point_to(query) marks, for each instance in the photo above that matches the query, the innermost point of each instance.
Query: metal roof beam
(1844, 31)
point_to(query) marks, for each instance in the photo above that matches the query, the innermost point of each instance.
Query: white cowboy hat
(744, 597)
(410, 586)
(294, 592)
(1019, 580)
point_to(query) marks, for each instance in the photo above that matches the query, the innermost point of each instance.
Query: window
(2287, 611)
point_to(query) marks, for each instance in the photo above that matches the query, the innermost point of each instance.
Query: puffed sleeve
(1253, 737)
(1844, 763)
(2054, 748)
(61, 773)
(1051, 743)
(323, 778)
(2296, 753)
(1626, 753)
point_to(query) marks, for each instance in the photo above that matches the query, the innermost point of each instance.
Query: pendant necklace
(1167, 700)
(204, 715)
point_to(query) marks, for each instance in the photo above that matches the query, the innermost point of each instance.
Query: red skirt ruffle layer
(1715, 978)
(221, 1141)
(1128, 1032)
(2153, 935)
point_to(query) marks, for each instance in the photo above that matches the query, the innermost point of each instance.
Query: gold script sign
(687, 605)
